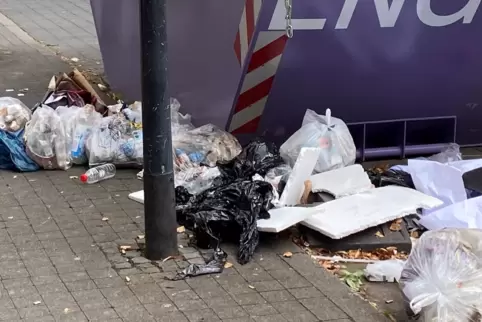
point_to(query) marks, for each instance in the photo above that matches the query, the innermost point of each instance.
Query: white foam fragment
(137, 196)
(283, 218)
(345, 216)
(302, 170)
(342, 182)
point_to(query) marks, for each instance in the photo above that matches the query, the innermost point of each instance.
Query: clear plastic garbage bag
(115, 140)
(13, 114)
(78, 123)
(45, 139)
(204, 145)
(325, 132)
(442, 279)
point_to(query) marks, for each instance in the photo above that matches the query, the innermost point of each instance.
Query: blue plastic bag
(12, 153)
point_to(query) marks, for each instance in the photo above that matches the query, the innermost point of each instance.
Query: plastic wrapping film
(442, 279)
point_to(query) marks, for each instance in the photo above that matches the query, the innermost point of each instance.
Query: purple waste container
(405, 75)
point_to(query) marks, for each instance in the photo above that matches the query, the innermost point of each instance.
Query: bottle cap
(83, 178)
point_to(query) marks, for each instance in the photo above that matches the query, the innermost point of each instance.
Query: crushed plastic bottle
(99, 173)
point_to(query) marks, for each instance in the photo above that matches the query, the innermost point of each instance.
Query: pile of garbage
(226, 192)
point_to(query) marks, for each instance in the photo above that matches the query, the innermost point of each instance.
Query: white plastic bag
(46, 142)
(13, 114)
(325, 132)
(442, 279)
(384, 271)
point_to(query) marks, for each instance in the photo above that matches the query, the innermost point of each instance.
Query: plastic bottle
(99, 173)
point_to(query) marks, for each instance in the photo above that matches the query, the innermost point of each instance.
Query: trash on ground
(99, 173)
(302, 171)
(441, 280)
(325, 132)
(349, 215)
(13, 114)
(181, 229)
(463, 214)
(214, 266)
(234, 203)
(342, 182)
(384, 271)
(288, 254)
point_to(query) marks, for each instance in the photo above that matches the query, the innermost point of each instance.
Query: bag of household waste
(205, 145)
(78, 123)
(325, 132)
(115, 140)
(45, 139)
(13, 114)
(442, 278)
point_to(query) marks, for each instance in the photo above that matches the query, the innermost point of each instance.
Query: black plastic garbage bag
(214, 266)
(234, 203)
(390, 177)
(256, 158)
(226, 210)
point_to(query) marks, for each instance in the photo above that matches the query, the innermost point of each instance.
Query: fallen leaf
(228, 265)
(181, 229)
(396, 225)
(288, 254)
(105, 219)
(379, 234)
(128, 279)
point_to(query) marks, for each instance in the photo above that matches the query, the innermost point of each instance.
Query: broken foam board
(341, 182)
(302, 170)
(137, 196)
(283, 218)
(342, 217)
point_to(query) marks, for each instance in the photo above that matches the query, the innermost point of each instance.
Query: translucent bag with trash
(78, 123)
(13, 114)
(204, 145)
(115, 140)
(45, 139)
(325, 132)
(442, 279)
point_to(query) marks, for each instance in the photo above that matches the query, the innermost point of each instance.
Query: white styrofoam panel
(341, 182)
(345, 216)
(283, 218)
(302, 170)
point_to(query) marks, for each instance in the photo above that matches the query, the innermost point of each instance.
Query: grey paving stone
(201, 315)
(305, 292)
(230, 312)
(260, 309)
(134, 313)
(323, 309)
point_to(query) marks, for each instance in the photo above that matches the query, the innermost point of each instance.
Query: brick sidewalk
(59, 261)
